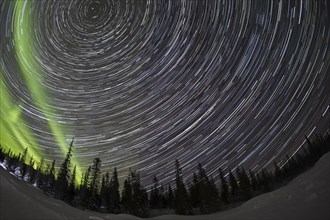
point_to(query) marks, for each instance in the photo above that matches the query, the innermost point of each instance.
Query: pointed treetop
(72, 142)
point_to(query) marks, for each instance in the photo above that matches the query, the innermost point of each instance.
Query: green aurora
(14, 133)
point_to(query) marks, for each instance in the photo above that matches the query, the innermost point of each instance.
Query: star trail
(142, 83)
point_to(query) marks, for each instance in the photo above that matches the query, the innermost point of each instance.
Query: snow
(3, 165)
(95, 218)
(17, 172)
(306, 197)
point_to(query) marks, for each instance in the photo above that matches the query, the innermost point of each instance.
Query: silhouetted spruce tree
(15, 162)
(72, 186)
(2, 154)
(293, 166)
(62, 182)
(207, 192)
(103, 186)
(84, 191)
(194, 192)
(181, 200)
(265, 180)
(203, 190)
(259, 181)
(214, 201)
(82, 180)
(41, 164)
(139, 197)
(126, 196)
(87, 175)
(155, 198)
(8, 154)
(24, 154)
(170, 197)
(52, 173)
(317, 147)
(23, 167)
(163, 197)
(104, 189)
(233, 186)
(253, 179)
(95, 200)
(40, 174)
(224, 188)
(32, 171)
(49, 186)
(300, 163)
(114, 202)
(244, 184)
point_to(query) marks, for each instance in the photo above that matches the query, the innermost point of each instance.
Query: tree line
(101, 192)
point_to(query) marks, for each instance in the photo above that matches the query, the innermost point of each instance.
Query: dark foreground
(306, 197)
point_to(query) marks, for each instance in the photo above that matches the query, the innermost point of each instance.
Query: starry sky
(142, 83)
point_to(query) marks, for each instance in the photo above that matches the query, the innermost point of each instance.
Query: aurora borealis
(142, 83)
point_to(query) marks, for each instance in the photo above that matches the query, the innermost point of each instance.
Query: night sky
(142, 83)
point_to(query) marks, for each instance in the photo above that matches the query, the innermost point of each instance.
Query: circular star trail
(142, 83)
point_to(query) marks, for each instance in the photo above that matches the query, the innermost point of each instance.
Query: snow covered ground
(306, 197)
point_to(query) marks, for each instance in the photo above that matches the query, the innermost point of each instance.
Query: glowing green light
(14, 135)
(31, 71)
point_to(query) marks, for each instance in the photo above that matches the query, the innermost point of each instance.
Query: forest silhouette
(101, 192)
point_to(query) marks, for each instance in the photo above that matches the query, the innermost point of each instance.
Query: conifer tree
(181, 201)
(84, 189)
(224, 187)
(114, 204)
(203, 190)
(49, 186)
(72, 186)
(86, 181)
(40, 175)
(62, 182)
(134, 197)
(170, 197)
(139, 197)
(155, 195)
(23, 162)
(95, 201)
(214, 199)
(259, 181)
(208, 198)
(233, 186)
(52, 174)
(41, 164)
(265, 180)
(103, 186)
(32, 171)
(2, 154)
(163, 197)
(126, 196)
(104, 190)
(254, 182)
(195, 192)
(23, 157)
(244, 184)
(95, 175)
